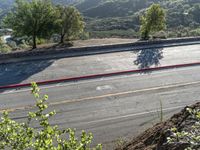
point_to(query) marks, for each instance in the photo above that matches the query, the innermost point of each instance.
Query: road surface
(113, 107)
(23, 72)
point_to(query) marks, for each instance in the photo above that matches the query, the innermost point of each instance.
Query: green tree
(21, 136)
(195, 12)
(152, 21)
(70, 23)
(33, 18)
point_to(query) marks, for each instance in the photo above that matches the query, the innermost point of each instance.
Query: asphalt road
(23, 72)
(113, 107)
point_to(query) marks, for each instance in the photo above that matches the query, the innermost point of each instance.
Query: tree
(152, 21)
(21, 136)
(70, 23)
(33, 18)
(194, 11)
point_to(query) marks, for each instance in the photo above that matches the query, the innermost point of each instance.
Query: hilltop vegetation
(5, 5)
(112, 16)
(182, 15)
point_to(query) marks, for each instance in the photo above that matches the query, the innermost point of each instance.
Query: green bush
(41, 41)
(21, 136)
(12, 44)
(84, 36)
(191, 137)
(4, 48)
(195, 32)
(114, 33)
(23, 46)
(160, 35)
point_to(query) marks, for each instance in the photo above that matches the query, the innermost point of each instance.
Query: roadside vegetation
(70, 23)
(4, 48)
(153, 21)
(97, 19)
(188, 138)
(40, 19)
(181, 15)
(22, 136)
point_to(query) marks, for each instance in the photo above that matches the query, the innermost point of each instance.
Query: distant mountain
(122, 8)
(106, 15)
(65, 2)
(85, 5)
(9, 3)
(6, 3)
(112, 8)
(97, 8)
(5, 6)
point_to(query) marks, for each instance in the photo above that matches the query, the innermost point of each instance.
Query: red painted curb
(99, 75)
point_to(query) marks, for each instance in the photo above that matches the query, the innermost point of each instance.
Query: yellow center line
(124, 93)
(105, 96)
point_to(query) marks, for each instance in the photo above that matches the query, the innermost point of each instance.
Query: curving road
(114, 107)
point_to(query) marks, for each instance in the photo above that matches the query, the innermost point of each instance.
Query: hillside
(182, 15)
(114, 16)
(115, 8)
(5, 5)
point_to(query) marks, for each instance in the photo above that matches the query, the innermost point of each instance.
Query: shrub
(195, 32)
(160, 35)
(190, 137)
(23, 46)
(114, 33)
(84, 36)
(12, 44)
(4, 48)
(21, 136)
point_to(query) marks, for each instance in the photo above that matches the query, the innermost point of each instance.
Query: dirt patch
(155, 138)
(105, 41)
(79, 43)
(87, 43)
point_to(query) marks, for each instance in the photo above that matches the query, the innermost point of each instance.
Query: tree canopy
(35, 18)
(71, 22)
(152, 21)
(105, 17)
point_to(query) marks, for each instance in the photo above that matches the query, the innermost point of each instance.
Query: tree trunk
(34, 42)
(145, 32)
(146, 35)
(62, 38)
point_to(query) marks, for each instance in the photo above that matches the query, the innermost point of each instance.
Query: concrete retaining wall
(94, 48)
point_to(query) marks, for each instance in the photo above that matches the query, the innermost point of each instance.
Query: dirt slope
(155, 138)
